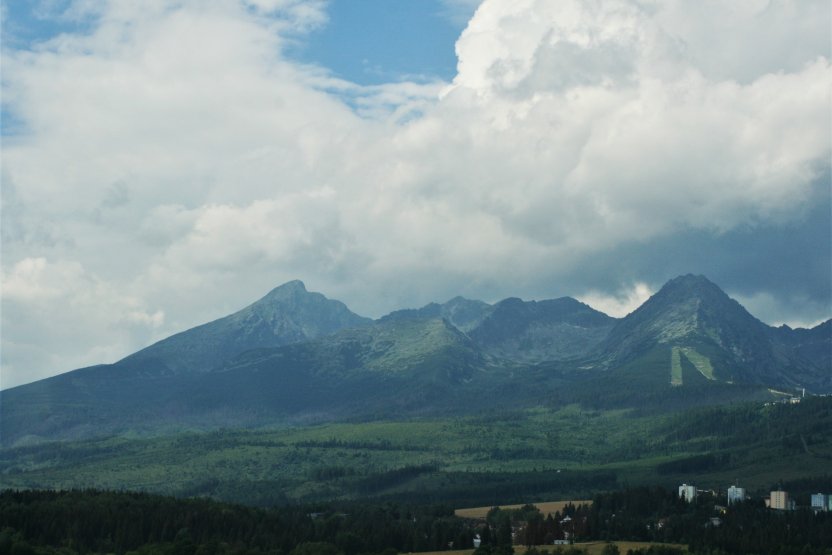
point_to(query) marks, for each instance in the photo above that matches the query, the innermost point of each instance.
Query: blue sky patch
(371, 42)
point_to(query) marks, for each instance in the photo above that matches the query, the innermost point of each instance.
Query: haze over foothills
(164, 163)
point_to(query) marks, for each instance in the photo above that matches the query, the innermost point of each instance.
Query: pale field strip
(783, 393)
(700, 362)
(547, 508)
(675, 367)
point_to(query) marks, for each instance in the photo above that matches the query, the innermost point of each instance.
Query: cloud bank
(172, 164)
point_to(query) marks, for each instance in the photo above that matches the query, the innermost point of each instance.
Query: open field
(546, 507)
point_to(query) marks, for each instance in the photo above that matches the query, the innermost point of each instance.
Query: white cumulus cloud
(621, 304)
(172, 164)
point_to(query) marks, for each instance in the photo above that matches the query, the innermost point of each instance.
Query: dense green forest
(48, 522)
(499, 457)
(362, 488)
(94, 521)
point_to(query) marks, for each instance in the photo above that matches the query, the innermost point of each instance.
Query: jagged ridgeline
(297, 357)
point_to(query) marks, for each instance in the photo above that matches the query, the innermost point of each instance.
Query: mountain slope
(812, 349)
(417, 365)
(288, 314)
(693, 319)
(153, 384)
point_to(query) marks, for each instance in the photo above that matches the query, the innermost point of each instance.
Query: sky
(167, 162)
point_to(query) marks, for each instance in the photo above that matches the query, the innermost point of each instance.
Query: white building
(735, 495)
(780, 500)
(821, 502)
(688, 493)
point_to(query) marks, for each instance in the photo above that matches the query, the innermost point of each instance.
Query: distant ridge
(462, 313)
(557, 329)
(296, 356)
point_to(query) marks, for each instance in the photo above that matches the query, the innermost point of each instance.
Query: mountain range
(295, 356)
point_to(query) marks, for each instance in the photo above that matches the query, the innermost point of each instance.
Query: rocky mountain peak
(692, 312)
(287, 314)
(288, 290)
(691, 285)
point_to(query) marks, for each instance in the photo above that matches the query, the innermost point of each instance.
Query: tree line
(89, 521)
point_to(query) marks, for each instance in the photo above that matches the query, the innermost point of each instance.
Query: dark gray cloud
(781, 272)
(790, 261)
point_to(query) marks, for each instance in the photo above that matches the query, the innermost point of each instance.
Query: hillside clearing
(700, 362)
(675, 367)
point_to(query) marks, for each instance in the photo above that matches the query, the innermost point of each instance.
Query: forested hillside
(494, 457)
